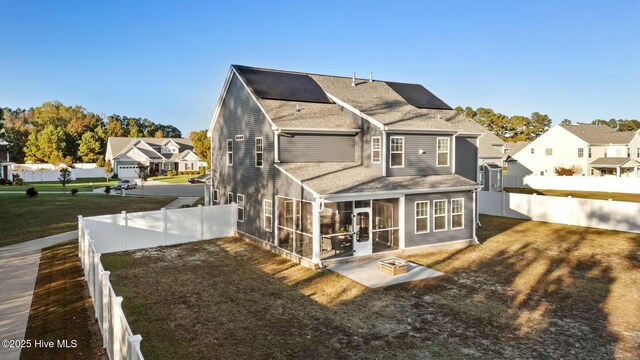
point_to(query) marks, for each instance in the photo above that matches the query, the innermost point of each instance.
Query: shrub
(74, 191)
(107, 189)
(565, 171)
(31, 192)
(17, 180)
(202, 170)
(5, 181)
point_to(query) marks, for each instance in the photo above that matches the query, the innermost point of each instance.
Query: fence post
(116, 310)
(105, 305)
(96, 280)
(504, 195)
(164, 226)
(124, 228)
(85, 253)
(92, 268)
(200, 223)
(134, 346)
(610, 214)
(80, 235)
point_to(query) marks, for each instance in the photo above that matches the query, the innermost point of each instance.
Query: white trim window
(267, 215)
(239, 137)
(240, 199)
(548, 151)
(443, 151)
(215, 196)
(396, 152)
(376, 150)
(580, 152)
(229, 152)
(422, 217)
(481, 180)
(457, 213)
(230, 198)
(259, 148)
(439, 215)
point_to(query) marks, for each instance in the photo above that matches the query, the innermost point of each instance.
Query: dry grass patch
(61, 308)
(530, 290)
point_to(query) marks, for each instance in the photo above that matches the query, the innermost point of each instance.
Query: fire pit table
(393, 266)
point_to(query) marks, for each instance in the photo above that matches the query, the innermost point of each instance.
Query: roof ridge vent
(353, 79)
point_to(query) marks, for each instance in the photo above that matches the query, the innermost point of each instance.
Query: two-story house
(593, 150)
(160, 154)
(323, 167)
(5, 163)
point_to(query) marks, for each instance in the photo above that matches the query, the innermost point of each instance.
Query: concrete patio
(369, 274)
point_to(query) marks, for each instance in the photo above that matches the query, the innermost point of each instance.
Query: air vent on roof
(353, 79)
(277, 85)
(418, 96)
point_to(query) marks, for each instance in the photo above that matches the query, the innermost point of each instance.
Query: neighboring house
(161, 154)
(513, 167)
(595, 150)
(5, 163)
(325, 167)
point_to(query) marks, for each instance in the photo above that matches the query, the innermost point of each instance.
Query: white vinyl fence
(602, 214)
(111, 233)
(629, 185)
(53, 175)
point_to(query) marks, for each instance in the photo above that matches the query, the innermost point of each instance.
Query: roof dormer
(170, 147)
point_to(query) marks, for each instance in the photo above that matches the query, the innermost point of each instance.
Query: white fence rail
(602, 214)
(111, 233)
(53, 175)
(629, 185)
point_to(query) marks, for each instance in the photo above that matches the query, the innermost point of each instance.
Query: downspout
(384, 153)
(318, 206)
(476, 212)
(453, 152)
(276, 145)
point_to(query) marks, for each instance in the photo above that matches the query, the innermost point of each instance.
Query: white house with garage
(161, 154)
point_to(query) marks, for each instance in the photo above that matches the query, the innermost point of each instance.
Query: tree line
(527, 128)
(618, 124)
(56, 133)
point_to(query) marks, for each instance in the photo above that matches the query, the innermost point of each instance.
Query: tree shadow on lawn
(531, 290)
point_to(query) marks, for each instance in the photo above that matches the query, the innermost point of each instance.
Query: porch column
(402, 222)
(316, 232)
(617, 171)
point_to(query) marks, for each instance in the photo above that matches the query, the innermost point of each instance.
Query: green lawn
(83, 185)
(579, 194)
(178, 179)
(25, 218)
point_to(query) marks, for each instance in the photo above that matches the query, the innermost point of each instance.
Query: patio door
(362, 243)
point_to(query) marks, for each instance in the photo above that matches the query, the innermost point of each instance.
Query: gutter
(392, 193)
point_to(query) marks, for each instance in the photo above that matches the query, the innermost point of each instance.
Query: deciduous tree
(201, 145)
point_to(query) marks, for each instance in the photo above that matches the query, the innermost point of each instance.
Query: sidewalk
(18, 272)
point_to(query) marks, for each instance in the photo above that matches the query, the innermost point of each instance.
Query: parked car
(126, 184)
(199, 179)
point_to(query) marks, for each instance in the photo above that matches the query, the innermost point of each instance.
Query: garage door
(127, 172)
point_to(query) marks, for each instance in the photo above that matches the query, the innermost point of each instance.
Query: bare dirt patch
(531, 290)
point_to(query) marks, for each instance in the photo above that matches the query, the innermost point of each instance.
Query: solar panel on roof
(418, 96)
(283, 86)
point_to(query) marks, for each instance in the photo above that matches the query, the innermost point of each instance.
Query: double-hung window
(439, 215)
(422, 217)
(376, 150)
(229, 152)
(457, 213)
(240, 207)
(229, 198)
(215, 195)
(259, 148)
(397, 151)
(267, 215)
(580, 152)
(443, 151)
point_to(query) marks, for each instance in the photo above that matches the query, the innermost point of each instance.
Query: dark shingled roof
(346, 177)
(120, 143)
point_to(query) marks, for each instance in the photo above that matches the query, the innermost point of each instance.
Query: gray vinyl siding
(317, 148)
(413, 239)
(240, 115)
(491, 182)
(414, 162)
(467, 157)
(368, 131)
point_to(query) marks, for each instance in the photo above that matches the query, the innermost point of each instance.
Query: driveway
(157, 188)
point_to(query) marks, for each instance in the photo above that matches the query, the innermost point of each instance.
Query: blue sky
(167, 61)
